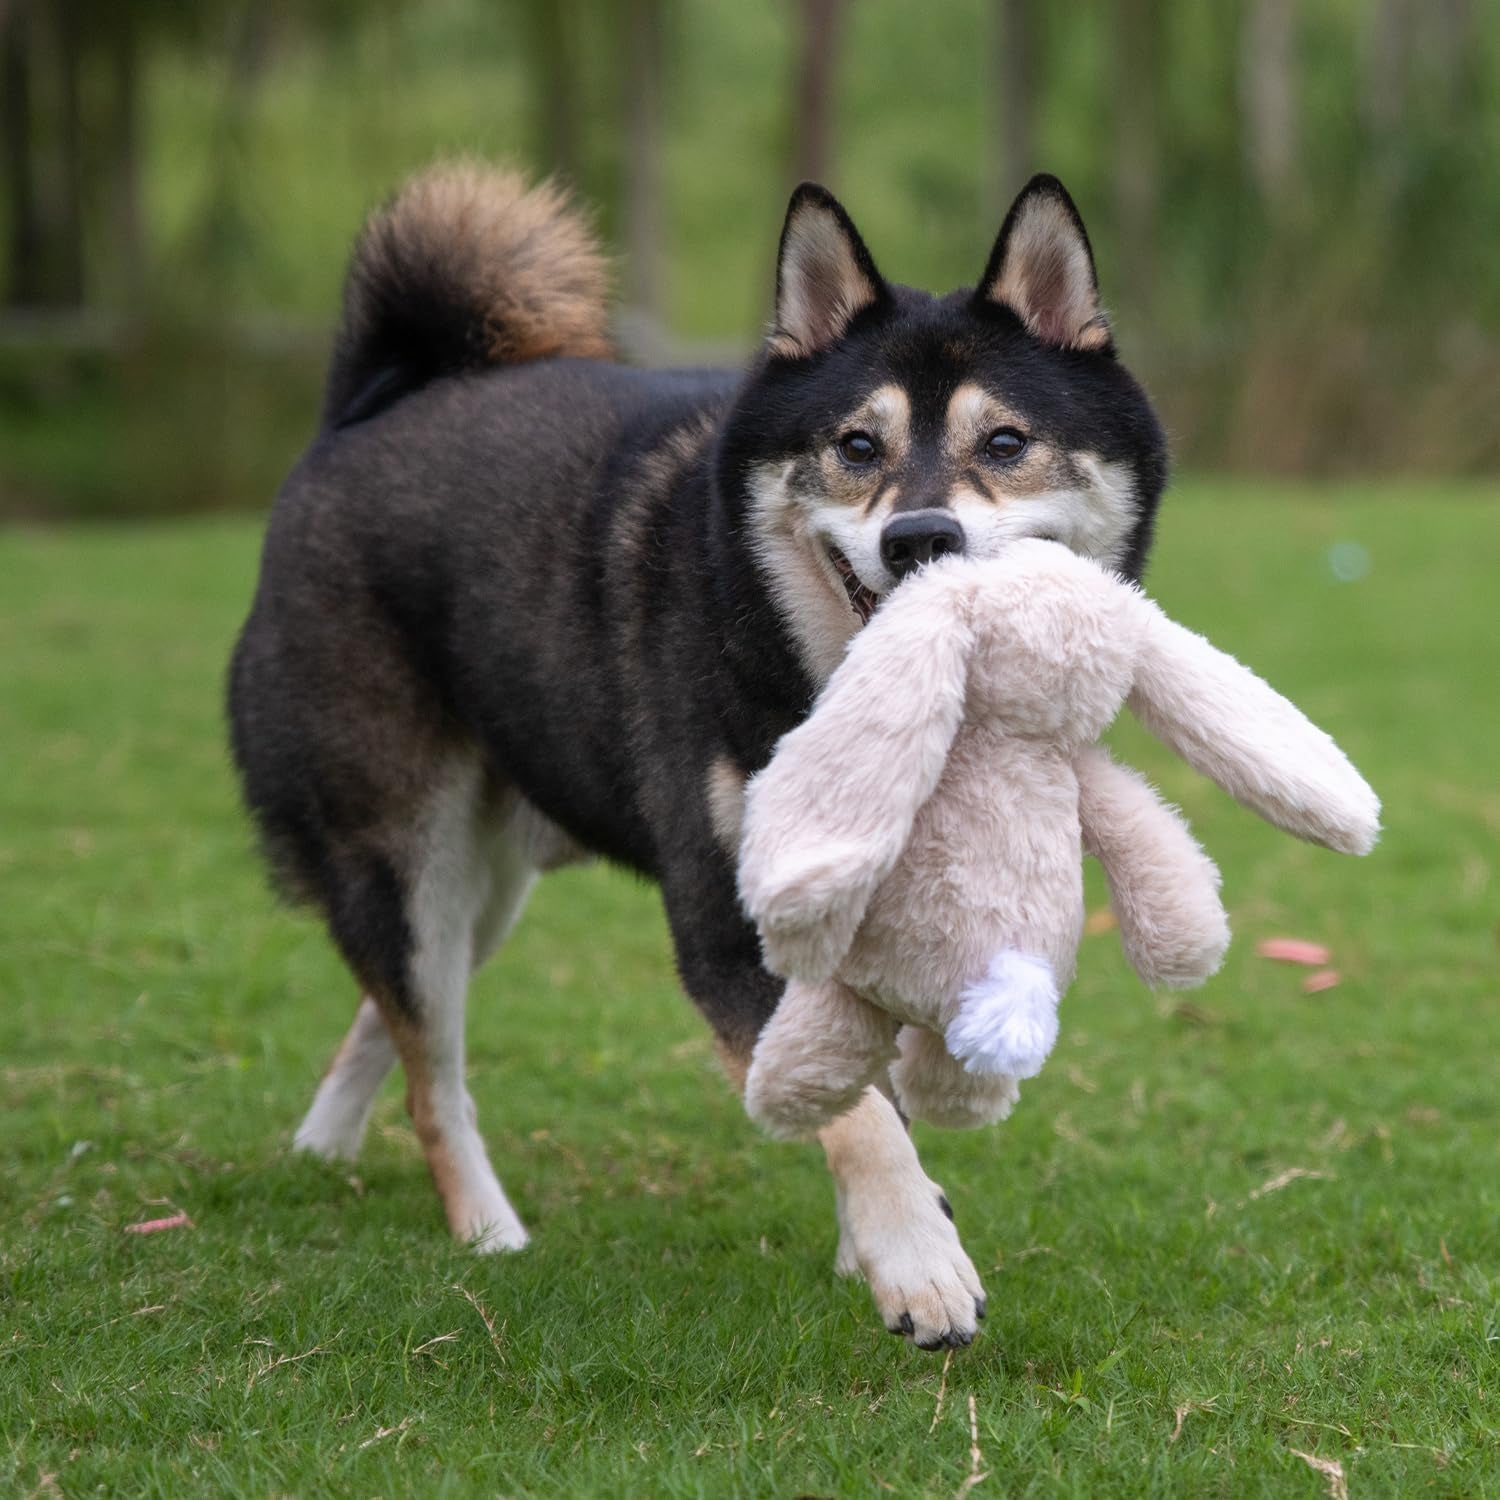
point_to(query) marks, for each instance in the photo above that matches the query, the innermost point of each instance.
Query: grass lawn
(1222, 1238)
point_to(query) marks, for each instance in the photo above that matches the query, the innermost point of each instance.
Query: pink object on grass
(1324, 979)
(1294, 951)
(155, 1226)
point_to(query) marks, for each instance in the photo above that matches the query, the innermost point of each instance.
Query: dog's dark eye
(857, 449)
(1005, 444)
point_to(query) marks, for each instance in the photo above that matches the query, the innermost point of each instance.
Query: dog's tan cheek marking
(809, 601)
(726, 803)
(1038, 469)
(736, 1064)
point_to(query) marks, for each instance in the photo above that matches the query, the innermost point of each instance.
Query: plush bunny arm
(1164, 889)
(827, 819)
(1230, 725)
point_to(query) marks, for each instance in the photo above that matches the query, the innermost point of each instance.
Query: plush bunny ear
(1230, 725)
(827, 819)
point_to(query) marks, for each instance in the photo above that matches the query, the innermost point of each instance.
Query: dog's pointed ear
(824, 275)
(1043, 270)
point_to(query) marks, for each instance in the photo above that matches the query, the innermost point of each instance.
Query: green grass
(674, 1330)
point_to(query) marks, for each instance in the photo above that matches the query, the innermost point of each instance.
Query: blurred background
(1295, 203)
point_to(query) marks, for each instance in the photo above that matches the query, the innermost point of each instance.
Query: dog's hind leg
(334, 1127)
(470, 880)
(414, 919)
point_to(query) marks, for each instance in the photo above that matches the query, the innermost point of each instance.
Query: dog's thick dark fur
(519, 603)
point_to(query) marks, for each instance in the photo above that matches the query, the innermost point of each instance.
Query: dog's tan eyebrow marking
(886, 411)
(726, 802)
(973, 413)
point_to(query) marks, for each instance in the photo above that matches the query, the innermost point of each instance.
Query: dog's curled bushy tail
(466, 266)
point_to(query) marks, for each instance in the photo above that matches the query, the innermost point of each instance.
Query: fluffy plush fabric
(912, 853)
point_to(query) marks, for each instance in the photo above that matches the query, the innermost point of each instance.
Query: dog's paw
(899, 1237)
(1007, 1021)
(486, 1223)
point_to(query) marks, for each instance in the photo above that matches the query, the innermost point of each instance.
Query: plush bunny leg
(1007, 1021)
(814, 1057)
(931, 1084)
(1163, 887)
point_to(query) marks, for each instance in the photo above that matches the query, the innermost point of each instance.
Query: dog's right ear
(824, 275)
(1043, 270)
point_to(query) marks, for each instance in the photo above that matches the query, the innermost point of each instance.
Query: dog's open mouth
(861, 599)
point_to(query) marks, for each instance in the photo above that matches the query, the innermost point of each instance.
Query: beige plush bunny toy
(912, 853)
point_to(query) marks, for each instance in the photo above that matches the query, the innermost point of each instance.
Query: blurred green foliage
(1338, 315)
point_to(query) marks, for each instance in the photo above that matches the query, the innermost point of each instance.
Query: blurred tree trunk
(1387, 54)
(552, 27)
(1453, 48)
(1139, 39)
(1385, 94)
(67, 205)
(1015, 61)
(812, 108)
(643, 156)
(1268, 98)
(126, 236)
(223, 231)
(42, 128)
(25, 284)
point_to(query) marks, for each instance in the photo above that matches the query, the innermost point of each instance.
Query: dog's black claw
(979, 1306)
(946, 1207)
(937, 1343)
(956, 1338)
(904, 1324)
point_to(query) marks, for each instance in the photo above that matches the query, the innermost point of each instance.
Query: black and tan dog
(520, 604)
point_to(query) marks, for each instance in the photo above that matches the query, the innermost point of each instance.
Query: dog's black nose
(918, 536)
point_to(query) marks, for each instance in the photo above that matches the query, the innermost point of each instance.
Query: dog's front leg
(896, 1229)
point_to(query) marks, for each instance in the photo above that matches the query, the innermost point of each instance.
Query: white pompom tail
(1007, 1021)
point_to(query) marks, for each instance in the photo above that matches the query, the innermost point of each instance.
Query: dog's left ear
(824, 275)
(1043, 270)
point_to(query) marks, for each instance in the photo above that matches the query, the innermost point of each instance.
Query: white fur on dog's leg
(895, 1231)
(1007, 1021)
(464, 880)
(477, 1208)
(334, 1127)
